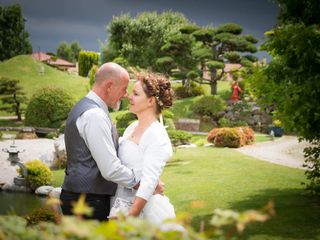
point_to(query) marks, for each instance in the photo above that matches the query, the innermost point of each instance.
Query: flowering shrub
(277, 123)
(38, 174)
(231, 137)
(247, 135)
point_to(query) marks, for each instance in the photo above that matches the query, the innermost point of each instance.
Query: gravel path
(42, 149)
(287, 151)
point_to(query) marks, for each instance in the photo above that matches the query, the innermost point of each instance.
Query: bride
(146, 147)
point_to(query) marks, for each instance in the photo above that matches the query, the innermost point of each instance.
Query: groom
(93, 167)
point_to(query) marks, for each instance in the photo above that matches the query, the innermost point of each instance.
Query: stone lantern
(14, 159)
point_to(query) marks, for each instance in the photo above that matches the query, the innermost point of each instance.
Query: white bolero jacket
(154, 150)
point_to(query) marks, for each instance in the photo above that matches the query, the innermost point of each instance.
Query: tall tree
(76, 49)
(220, 45)
(14, 40)
(64, 51)
(139, 40)
(12, 96)
(291, 81)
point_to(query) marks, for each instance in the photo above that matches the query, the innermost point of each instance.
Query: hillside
(26, 69)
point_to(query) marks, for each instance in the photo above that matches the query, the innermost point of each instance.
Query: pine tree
(12, 96)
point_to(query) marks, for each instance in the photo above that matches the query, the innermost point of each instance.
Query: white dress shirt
(94, 127)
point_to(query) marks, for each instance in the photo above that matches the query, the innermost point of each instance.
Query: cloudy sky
(51, 21)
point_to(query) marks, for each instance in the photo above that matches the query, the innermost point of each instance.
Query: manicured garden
(209, 178)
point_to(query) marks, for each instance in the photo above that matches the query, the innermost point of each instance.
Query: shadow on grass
(297, 215)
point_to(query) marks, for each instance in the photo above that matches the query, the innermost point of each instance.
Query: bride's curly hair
(158, 86)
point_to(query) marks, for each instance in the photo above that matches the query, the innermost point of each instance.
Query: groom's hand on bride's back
(159, 189)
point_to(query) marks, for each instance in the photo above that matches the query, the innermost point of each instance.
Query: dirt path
(287, 151)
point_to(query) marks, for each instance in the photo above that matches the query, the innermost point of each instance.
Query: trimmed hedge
(49, 107)
(192, 91)
(86, 61)
(179, 137)
(208, 106)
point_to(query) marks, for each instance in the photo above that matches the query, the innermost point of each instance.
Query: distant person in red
(235, 92)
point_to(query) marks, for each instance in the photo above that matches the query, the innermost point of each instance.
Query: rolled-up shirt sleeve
(95, 128)
(155, 157)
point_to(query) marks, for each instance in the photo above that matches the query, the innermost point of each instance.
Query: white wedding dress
(148, 157)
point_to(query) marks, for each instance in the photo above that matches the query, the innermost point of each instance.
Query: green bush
(86, 60)
(168, 122)
(121, 61)
(224, 122)
(43, 214)
(221, 223)
(62, 127)
(49, 107)
(124, 104)
(124, 120)
(179, 137)
(167, 114)
(92, 74)
(38, 174)
(190, 91)
(1, 135)
(208, 106)
(52, 135)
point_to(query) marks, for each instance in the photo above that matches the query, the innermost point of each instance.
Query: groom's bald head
(111, 72)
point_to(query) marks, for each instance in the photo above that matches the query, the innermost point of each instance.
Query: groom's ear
(107, 86)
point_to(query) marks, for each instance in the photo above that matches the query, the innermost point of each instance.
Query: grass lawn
(26, 69)
(225, 178)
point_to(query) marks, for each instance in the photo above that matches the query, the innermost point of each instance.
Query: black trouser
(99, 203)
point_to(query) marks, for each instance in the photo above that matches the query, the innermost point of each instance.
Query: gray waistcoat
(82, 173)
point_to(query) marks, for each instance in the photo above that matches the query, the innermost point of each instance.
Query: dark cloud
(50, 22)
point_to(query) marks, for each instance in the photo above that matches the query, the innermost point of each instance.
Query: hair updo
(158, 86)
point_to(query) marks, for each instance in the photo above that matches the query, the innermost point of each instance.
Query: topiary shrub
(124, 120)
(38, 174)
(208, 106)
(43, 214)
(179, 137)
(49, 107)
(190, 91)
